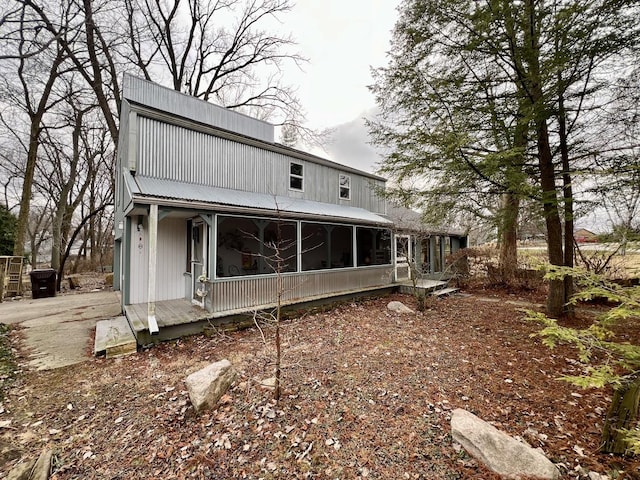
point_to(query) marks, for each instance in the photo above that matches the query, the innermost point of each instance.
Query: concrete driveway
(58, 331)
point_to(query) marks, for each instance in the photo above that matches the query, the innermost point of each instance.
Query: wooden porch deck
(177, 318)
(171, 315)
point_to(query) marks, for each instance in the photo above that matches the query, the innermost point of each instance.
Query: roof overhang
(180, 195)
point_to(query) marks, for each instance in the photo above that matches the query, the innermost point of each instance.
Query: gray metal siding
(156, 96)
(245, 293)
(180, 154)
(121, 194)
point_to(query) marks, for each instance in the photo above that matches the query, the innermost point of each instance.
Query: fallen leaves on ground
(367, 394)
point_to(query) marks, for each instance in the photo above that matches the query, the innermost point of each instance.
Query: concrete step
(427, 287)
(114, 338)
(445, 291)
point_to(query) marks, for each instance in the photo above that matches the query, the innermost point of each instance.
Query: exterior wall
(171, 136)
(173, 152)
(245, 293)
(162, 98)
(138, 261)
(172, 254)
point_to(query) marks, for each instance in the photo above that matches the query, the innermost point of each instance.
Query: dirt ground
(367, 394)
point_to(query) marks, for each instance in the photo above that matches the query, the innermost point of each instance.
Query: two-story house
(204, 194)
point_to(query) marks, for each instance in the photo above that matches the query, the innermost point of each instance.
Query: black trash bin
(43, 283)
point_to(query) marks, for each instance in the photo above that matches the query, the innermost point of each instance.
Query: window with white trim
(344, 184)
(296, 178)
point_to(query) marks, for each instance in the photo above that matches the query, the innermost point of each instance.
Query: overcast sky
(342, 40)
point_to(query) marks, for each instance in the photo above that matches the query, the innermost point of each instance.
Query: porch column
(153, 255)
(417, 256)
(432, 254)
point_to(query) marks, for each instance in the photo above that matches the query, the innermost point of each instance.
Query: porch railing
(245, 293)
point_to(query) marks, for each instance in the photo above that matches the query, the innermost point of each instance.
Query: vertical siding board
(172, 251)
(165, 99)
(245, 292)
(177, 153)
(139, 264)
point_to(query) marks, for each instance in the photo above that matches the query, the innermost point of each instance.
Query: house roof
(412, 221)
(150, 97)
(187, 195)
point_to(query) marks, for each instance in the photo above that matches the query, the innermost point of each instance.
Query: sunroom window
(248, 246)
(374, 246)
(326, 246)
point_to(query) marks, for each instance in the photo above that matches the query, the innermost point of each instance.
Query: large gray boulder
(497, 450)
(207, 386)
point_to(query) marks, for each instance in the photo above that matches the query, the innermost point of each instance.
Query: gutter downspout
(153, 254)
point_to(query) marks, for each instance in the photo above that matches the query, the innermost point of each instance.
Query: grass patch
(7, 360)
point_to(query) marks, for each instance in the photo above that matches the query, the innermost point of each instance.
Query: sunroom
(209, 252)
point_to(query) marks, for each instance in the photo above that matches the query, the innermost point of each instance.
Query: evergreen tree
(492, 102)
(7, 229)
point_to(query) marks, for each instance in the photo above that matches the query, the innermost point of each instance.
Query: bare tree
(276, 255)
(217, 51)
(72, 177)
(39, 230)
(86, 41)
(30, 88)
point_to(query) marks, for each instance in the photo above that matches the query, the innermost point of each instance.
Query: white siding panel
(172, 257)
(139, 262)
(172, 254)
(242, 293)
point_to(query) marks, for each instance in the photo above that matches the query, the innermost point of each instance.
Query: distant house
(202, 193)
(583, 235)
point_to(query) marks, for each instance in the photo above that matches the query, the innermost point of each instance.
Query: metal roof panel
(149, 187)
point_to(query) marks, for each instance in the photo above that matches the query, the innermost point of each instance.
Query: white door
(402, 258)
(199, 241)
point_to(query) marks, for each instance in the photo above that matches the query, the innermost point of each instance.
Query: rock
(34, 469)
(108, 279)
(497, 450)
(42, 468)
(21, 471)
(206, 386)
(399, 307)
(268, 383)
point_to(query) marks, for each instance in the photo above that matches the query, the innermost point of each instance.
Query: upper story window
(296, 176)
(344, 182)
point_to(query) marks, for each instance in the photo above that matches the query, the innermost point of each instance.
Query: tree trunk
(509, 236)
(74, 235)
(556, 298)
(567, 194)
(27, 187)
(34, 249)
(622, 415)
(35, 119)
(56, 236)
